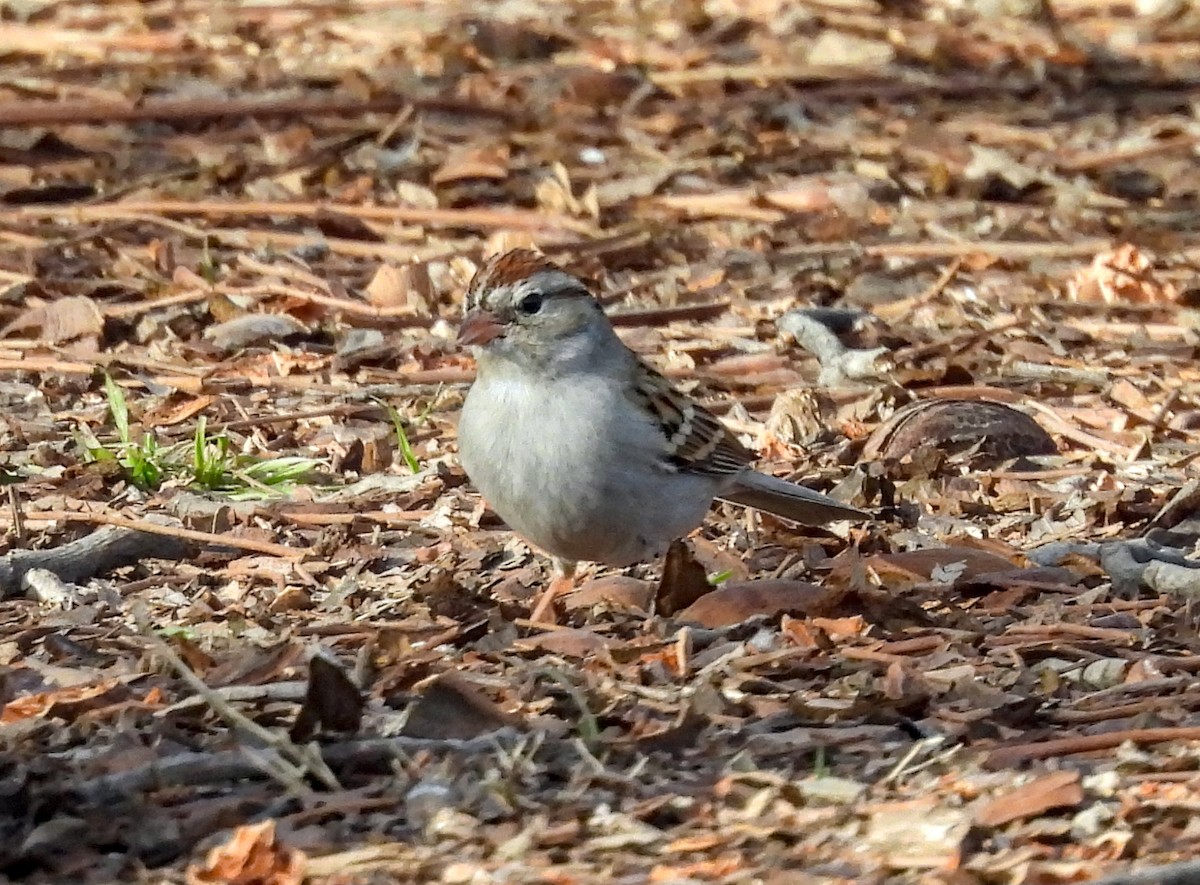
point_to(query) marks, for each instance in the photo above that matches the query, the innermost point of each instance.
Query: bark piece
(101, 551)
(979, 428)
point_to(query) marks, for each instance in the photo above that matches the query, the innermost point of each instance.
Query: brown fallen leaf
(331, 702)
(680, 736)
(63, 319)
(454, 708)
(486, 162)
(618, 591)
(737, 601)
(252, 856)
(64, 703)
(841, 628)
(943, 564)
(567, 642)
(405, 286)
(722, 867)
(684, 580)
(1122, 274)
(253, 328)
(976, 428)
(1059, 789)
(176, 411)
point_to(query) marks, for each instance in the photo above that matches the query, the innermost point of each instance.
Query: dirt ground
(935, 258)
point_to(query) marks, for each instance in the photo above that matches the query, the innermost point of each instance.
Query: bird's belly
(571, 480)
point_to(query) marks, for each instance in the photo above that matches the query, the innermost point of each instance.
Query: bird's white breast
(572, 467)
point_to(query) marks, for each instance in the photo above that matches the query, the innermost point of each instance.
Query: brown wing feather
(696, 441)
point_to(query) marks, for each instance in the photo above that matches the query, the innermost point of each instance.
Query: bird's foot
(543, 611)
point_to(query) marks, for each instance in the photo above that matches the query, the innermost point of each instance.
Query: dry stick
(287, 761)
(959, 341)
(762, 73)
(199, 769)
(241, 238)
(294, 690)
(906, 306)
(356, 308)
(153, 528)
(18, 519)
(89, 43)
(1020, 633)
(1058, 424)
(272, 290)
(403, 517)
(1124, 711)
(1006, 757)
(1108, 330)
(1090, 161)
(1016, 251)
(1183, 873)
(289, 271)
(51, 113)
(509, 218)
(345, 410)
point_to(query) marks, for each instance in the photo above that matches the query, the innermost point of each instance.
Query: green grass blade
(406, 450)
(117, 407)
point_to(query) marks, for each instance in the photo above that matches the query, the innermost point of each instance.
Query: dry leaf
(453, 707)
(170, 412)
(405, 286)
(487, 162)
(946, 564)
(1125, 273)
(252, 856)
(253, 328)
(567, 642)
(737, 601)
(554, 194)
(332, 702)
(63, 319)
(619, 591)
(835, 47)
(974, 428)
(64, 703)
(684, 580)
(1059, 789)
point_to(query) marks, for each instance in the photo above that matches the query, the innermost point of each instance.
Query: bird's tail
(786, 499)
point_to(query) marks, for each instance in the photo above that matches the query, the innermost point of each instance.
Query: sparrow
(579, 446)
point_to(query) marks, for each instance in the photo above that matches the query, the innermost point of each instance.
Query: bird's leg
(562, 582)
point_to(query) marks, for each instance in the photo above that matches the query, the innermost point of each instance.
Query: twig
(1184, 873)
(522, 219)
(906, 306)
(294, 690)
(760, 73)
(283, 759)
(400, 517)
(1057, 374)
(1007, 249)
(53, 113)
(18, 521)
(198, 769)
(141, 525)
(1006, 757)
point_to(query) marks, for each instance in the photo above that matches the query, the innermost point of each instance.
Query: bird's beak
(480, 327)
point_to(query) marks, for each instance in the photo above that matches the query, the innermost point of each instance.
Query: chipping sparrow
(579, 446)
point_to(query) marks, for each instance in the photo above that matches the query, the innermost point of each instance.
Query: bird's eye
(530, 303)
